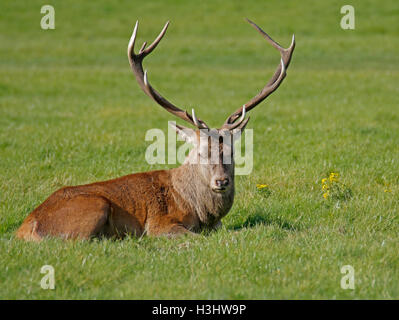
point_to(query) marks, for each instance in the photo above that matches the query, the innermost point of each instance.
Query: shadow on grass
(263, 218)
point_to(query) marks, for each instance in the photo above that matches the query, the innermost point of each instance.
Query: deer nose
(222, 182)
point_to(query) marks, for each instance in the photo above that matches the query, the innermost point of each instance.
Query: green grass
(72, 113)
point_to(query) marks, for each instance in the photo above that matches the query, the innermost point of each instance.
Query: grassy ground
(72, 113)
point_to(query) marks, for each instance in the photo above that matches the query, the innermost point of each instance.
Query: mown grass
(72, 113)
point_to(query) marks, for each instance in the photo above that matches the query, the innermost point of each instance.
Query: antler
(270, 87)
(136, 62)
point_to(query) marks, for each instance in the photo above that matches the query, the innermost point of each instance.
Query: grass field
(72, 113)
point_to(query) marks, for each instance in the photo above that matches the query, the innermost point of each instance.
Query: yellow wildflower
(324, 180)
(261, 186)
(334, 176)
(325, 187)
(325, 195)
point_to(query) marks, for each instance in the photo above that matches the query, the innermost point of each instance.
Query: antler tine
(231, 126)
(274, 82)
(136, 62)
(158, 39)
(132, 41)
(286, 54)
(198, 122)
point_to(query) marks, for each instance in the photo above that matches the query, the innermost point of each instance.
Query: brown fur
(172, 202)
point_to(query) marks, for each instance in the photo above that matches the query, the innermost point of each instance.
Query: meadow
(72, 113)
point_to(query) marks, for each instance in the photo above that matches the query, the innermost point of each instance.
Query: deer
(185, 200)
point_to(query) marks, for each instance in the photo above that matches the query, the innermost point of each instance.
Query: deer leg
(165, 226)
(121, 223)
(179, 230)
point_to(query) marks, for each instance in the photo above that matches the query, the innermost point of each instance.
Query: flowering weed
(263, 189)
(334, 189)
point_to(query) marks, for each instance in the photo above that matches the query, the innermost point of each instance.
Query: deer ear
(237, 131)
(185, 133)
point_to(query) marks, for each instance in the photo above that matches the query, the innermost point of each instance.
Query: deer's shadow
(266, 219)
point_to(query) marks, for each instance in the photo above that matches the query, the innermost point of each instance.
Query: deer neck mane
(197, 194)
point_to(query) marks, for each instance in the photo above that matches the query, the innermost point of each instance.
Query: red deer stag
(183, 200)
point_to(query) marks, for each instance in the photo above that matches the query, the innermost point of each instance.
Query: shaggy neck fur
(208, 205)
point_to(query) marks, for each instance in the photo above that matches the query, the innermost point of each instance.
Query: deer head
(212, 155)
